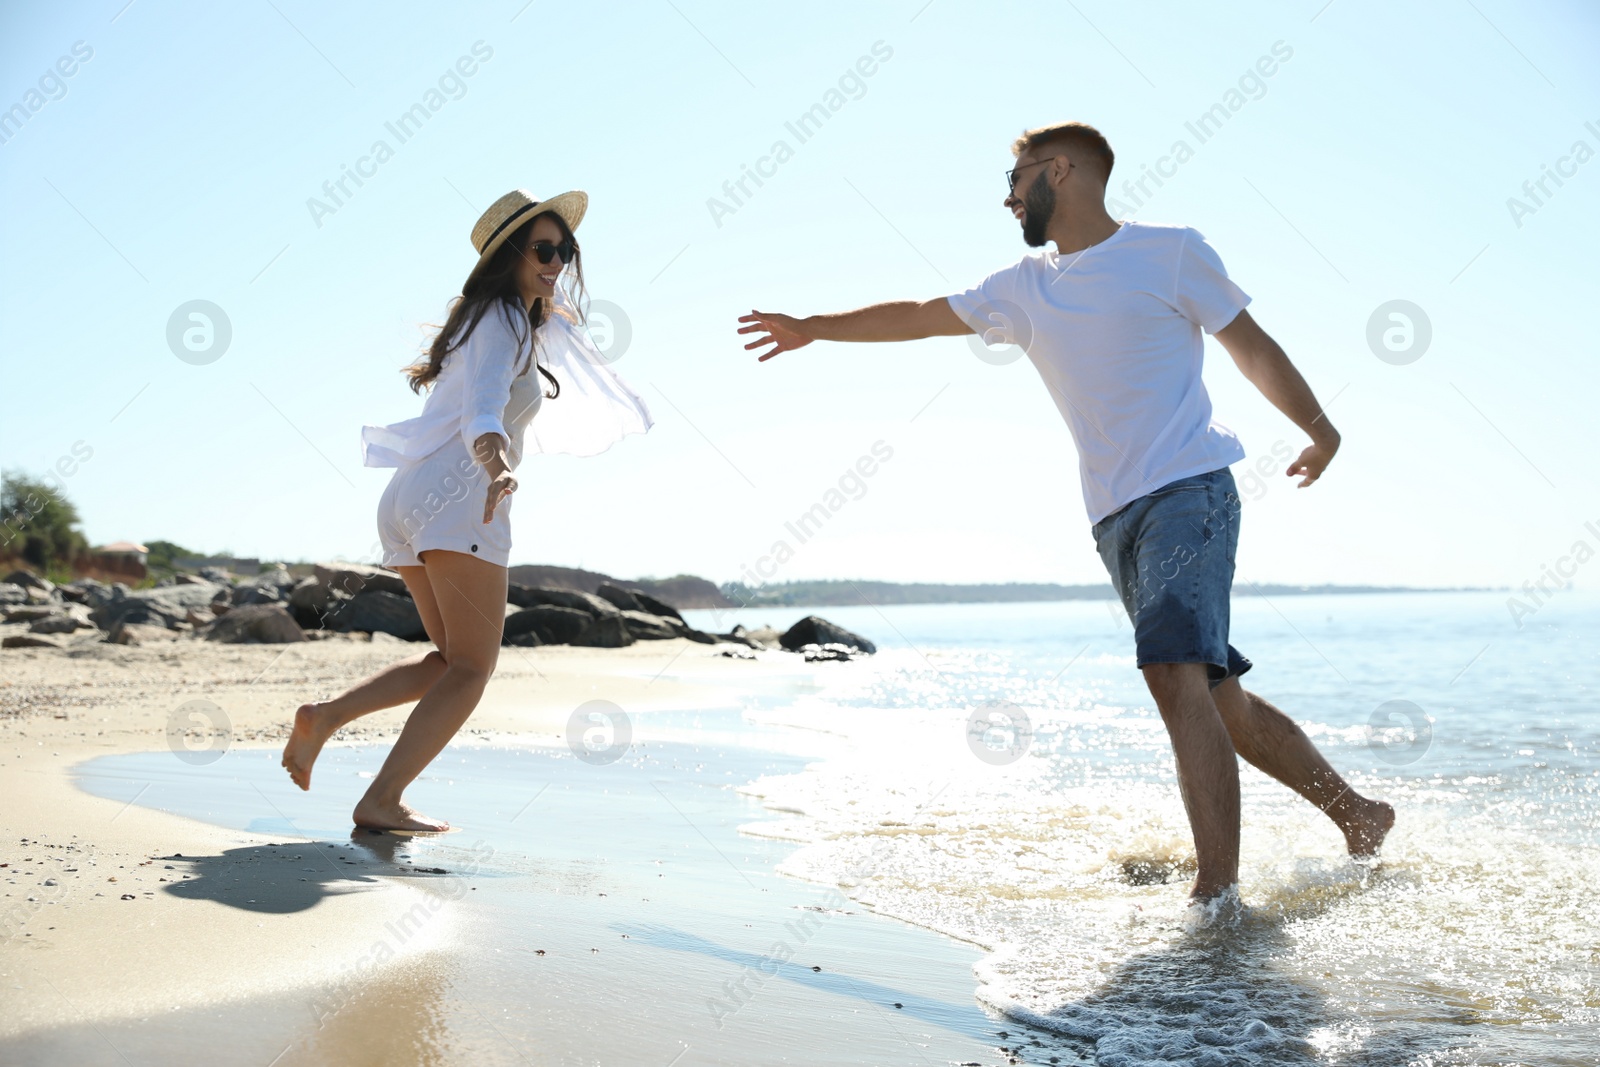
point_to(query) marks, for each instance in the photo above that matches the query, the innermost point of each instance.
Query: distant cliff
(681, 591)
(834, 593)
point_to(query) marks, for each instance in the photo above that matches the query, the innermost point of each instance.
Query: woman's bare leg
(471, 597)
(399, 683)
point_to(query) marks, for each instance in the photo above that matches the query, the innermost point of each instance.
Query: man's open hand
(783, 332)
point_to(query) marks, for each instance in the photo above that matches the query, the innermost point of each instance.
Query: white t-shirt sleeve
(991, 307)
(1202, 290)
(488, 363)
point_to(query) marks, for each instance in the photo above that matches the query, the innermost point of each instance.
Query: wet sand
(587, 912)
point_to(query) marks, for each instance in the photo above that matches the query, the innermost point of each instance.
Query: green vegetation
(39, 524)
(162, 555)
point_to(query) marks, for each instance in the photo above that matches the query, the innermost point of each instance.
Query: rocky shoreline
(356, 601)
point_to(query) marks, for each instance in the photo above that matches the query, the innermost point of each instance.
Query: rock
(607, 631)
(83, 590)
(311, 602)
(29, 580)
(761, 637)
(527, 596)
(636, 600)
(619, 596)
(269, 587)
(190, 579)
(165, 607)
(656, 607)
(827, 653)
(62, 623)
(376, 611)
(12, 593)
(200, 618)
(353, 578)
(124, 632)
(646, 627)
(217, 575)
(265, 624)
(737, 653)
(697, 636)
(42, 596)
(552, 625)
(815, 630)
(31, 640)
(30, 612)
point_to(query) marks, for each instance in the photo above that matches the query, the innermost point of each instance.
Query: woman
(445, 519)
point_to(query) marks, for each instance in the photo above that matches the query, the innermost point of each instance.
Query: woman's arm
(489, 362)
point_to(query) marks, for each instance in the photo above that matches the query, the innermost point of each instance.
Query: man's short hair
(1082, 141)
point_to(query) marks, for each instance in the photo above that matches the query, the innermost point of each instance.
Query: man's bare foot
(371, 815)
(1365, 827)
(312, 728)
(1215, 908)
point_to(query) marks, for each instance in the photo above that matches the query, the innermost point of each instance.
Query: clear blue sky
(1375, 163)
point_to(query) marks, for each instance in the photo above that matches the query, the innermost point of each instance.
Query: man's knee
(1174, 677)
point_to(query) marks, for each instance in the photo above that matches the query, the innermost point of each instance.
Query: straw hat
(517, 207)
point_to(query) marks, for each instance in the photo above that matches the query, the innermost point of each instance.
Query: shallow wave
(1472, 942)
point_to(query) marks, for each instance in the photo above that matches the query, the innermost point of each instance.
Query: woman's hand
(491, 454)
(501, 486)
(784, 332)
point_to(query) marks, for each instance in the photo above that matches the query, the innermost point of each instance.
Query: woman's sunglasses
(547, 251)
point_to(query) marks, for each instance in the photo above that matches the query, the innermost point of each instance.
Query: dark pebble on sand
(898, 1004)
(816, 968)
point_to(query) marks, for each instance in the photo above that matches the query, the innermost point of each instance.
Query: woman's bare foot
(1365, 826)
(312, 727)
(399, 815)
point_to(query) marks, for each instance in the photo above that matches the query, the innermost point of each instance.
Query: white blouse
(479, 391)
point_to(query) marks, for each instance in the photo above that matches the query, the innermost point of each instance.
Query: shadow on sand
(282, 879)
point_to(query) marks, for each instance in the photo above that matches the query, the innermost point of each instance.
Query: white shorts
(437, 503)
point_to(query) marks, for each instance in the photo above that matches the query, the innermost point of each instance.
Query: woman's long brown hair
(497, 284)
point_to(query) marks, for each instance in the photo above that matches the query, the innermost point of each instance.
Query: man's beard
(1038, 204)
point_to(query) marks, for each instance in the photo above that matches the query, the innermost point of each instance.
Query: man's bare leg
(1208, 771)
(1272, 742)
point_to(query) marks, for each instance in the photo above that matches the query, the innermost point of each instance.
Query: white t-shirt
(1114, 331)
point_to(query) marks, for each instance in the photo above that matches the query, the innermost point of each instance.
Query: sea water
(1003, 777)
(998, 773)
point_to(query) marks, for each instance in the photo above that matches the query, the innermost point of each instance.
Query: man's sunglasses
(547, 251)
(1011, 175)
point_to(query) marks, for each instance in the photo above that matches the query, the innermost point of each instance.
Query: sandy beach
(135, 935)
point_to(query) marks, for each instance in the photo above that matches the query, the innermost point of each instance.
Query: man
(1112, 320)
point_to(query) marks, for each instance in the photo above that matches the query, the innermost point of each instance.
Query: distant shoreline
(845, 593)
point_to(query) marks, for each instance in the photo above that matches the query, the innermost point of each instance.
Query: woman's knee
(473, 670)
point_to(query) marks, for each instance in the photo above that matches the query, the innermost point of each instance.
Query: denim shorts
(1170, 555)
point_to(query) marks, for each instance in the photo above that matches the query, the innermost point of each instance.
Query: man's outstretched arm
(901, 320)
(1267, 366)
